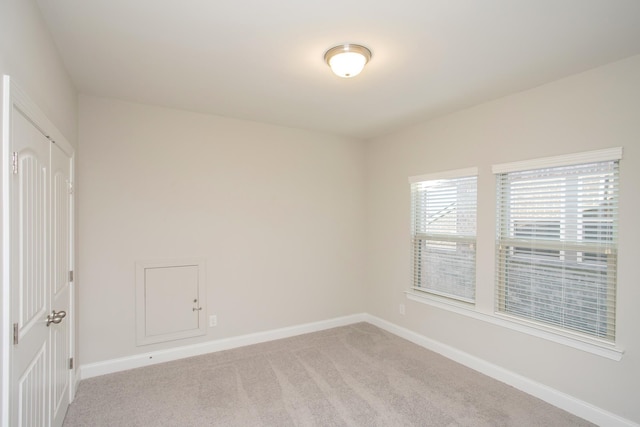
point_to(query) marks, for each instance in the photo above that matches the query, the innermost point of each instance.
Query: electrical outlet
(213, 320)
(401, 309)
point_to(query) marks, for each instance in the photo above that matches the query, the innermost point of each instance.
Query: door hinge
(71, 276)
(71, 363)
(14, 162)
(15, 334)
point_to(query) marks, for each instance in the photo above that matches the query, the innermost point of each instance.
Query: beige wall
(276, 212)
(594, 110)
(29, 56)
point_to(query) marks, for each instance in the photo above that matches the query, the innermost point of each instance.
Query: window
(556, 246)
(444, 233)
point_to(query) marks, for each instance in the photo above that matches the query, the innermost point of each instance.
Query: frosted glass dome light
(347, 60)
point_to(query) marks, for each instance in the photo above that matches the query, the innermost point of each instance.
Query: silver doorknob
(55, 317)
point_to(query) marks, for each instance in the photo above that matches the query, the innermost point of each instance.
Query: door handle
(55, 317)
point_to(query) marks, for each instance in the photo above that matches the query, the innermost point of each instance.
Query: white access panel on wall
(170, 300)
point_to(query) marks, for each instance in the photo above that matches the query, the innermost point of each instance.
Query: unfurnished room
(338, 213)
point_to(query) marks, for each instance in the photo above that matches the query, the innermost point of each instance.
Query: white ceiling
(263, 60)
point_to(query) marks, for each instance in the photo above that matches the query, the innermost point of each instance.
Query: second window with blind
(556, 254)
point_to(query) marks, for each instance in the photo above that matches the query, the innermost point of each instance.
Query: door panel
(59, 374)
(60, 204)
(170, 300)
(29, 275)
(31, 182)
(170, 297)
(60, 286)
(33, 392)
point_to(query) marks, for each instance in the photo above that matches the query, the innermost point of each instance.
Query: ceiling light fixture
(347, 60)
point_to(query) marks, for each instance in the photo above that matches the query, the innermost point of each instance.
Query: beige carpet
(357, 375)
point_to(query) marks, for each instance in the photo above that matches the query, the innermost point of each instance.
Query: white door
(60, 281)
(30, 381)
(40, 259)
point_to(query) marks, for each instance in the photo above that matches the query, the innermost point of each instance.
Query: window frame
(598, 156)
(443, 237)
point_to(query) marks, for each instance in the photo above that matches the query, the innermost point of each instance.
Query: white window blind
(557, 246)
(444, 234)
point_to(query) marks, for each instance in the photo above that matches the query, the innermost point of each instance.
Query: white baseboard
(160, 356)
(554, 397)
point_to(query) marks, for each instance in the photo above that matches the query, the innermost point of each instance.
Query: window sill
(608, 351)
